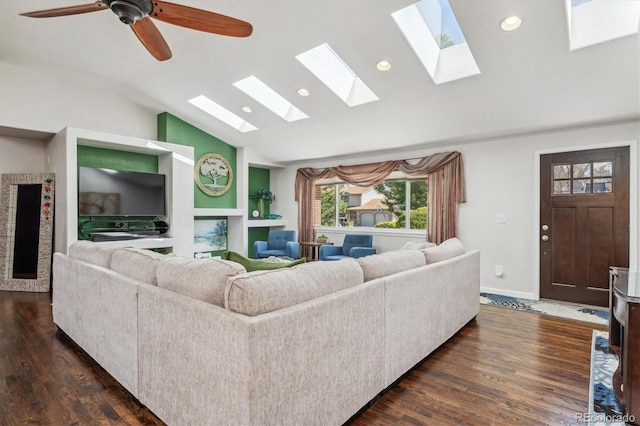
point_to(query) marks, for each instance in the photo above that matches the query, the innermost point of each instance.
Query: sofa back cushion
(383, 264)
(260, 292)
(94, 253)
(203, 279)
(446, 250)
(137, 263)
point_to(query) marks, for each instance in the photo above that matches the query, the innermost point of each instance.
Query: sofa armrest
(328, 250)
(292, 249)
(259, 246)
(357, 252)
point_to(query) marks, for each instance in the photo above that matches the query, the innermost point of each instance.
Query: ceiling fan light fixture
(511, 23)
(128, 12)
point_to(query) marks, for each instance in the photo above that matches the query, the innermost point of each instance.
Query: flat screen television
(108, 192)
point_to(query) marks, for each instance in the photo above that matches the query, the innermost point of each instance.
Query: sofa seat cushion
(260, 292)
(336, 257)
(388, 263)
(261, 264)
(137, 263)
(446, 250)
(268, 253)
(202, 279)
(94, 253)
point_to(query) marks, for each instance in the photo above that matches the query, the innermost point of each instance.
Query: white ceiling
(529, 79)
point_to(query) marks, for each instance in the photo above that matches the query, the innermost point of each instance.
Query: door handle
(545, 238)
(545, 228)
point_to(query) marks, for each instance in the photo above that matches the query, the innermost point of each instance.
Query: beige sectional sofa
(202, 342)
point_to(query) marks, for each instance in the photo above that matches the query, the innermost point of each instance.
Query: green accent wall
(258, 179)
(90, 156)
(174, 130)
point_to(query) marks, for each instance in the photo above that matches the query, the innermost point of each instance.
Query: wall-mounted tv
(107, 192)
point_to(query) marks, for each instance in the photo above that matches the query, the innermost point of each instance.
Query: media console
(624, 338)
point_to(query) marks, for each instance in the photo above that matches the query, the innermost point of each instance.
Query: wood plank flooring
(505, 368)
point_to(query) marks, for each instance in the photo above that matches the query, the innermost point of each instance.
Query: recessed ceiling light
(246, 109)
(511, 23)
(383, 65)
(268, 97)
(303, 92)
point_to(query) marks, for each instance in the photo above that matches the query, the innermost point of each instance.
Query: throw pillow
(417, 245)
(446, 250)
(260, 265)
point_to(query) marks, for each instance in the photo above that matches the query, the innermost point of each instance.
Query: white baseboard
(503, 292)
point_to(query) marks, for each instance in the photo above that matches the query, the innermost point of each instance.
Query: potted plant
(322, 239)
(261, 196)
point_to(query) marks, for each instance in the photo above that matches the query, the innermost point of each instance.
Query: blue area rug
(604, 409)
(589, 314)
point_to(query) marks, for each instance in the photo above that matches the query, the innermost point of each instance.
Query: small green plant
(263, 194)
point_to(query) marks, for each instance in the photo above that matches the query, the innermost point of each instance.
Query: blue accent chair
(354, 245)
(279, 243)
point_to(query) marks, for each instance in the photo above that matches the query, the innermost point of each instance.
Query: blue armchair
(353, 246)
(279, 243)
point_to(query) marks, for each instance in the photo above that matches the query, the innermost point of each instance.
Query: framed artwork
(213, 174)
(210, 235)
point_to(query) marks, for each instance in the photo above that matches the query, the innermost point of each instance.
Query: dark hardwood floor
(505, 368)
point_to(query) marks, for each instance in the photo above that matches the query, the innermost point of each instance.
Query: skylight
(222, 114)
(597, 21)
(268, 97)
(432, 31)
(329, 68)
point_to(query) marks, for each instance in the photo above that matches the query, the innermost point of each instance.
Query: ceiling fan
(138, 13)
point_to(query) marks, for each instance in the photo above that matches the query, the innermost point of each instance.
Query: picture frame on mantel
(26, 231)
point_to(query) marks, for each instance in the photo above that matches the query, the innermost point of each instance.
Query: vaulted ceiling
(529, 79)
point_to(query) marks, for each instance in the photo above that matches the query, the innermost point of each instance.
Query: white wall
(501, 177)
(40, 101)
(21, 155)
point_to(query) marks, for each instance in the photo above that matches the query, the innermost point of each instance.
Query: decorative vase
(261, 207)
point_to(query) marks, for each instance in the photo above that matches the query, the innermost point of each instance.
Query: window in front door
(583, 178)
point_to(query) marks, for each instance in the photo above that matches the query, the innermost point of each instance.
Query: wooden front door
(584, 223)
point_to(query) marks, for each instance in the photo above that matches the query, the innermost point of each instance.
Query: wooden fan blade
(150, 37)
(201, 20)
(70, 10)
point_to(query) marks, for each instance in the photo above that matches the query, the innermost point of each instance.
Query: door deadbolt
(545, 238)
(545, 228)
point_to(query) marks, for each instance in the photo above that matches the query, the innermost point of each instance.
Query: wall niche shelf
(217, 212)
(265, 223)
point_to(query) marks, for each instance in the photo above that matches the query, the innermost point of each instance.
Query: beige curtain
(444, 171)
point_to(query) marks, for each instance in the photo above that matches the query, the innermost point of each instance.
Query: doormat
(604, 409)
(590, 314)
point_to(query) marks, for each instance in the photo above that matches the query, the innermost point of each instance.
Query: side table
(310, 249)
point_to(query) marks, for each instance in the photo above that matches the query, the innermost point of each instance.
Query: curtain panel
(445, 179)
